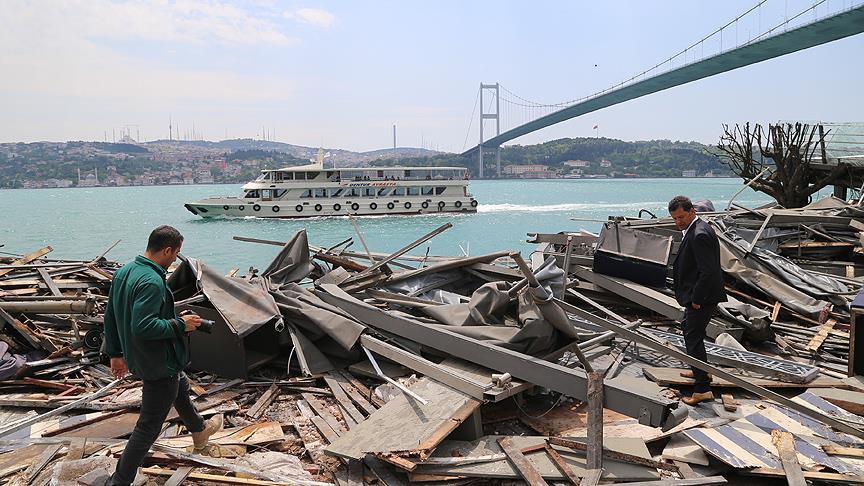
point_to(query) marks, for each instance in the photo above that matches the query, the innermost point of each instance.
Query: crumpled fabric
(10, 363)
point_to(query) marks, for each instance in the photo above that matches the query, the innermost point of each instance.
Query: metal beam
(719, 372)
(621, 397)
(639, 294)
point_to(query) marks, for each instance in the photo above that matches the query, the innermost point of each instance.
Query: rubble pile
(344, 366)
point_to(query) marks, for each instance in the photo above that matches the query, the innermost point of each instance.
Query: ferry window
(370, 191)
(413, 191)
(337, 192)
(254, 193)
(428, 191)
(311, 175)
(306, 193)
(399, 191)
(439, 190)
(352, 193)
(320, 192)
(407, 174)
(262, 177)
(383, 191)
(277, 176)
(380, 174)
(278, 193)
(265, 194)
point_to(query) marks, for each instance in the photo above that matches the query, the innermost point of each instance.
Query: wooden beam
(264, 401)
(819, 338)
(26, 259)
(179, 476)
(785, 445)
(525, 468)
(595, 421)
(843, 451)
(729, 402)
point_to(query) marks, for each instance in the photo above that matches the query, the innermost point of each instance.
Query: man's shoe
(698, 398)
(689, 374)
(199, 439)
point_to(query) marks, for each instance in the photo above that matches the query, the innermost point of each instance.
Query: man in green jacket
(144, 336)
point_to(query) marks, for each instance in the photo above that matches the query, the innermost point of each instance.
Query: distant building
(688, 173)
(89, 180)
(576, 163)
(528, 171)
(605, 163)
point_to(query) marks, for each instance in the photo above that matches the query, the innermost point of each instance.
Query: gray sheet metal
(631, 243)
(651, 410)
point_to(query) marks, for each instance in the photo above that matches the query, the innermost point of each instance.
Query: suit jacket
(697, 273)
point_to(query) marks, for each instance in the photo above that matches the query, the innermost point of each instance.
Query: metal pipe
(86, 307)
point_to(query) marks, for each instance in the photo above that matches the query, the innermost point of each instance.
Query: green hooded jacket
(140, 323)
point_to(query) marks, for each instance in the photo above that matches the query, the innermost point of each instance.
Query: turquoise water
(82, 223)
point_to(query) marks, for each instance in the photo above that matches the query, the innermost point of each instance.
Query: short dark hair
(164, 237)
(682, 202)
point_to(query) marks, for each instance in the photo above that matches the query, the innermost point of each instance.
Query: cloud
(189, 21)
(313, 16)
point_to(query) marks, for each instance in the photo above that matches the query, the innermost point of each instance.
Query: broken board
(406, 425)
(503, 469)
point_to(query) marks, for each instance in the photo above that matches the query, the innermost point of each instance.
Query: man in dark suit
(698, 287)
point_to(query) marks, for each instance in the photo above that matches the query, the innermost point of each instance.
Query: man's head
(163, 246)
(682, 211)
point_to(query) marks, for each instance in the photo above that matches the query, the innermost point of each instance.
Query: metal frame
(719, 372)
(644, 296)
(621, 396)
(721, 355)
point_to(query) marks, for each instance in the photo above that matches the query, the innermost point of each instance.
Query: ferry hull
(239, 208)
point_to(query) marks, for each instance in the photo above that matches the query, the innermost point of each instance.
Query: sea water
(81, 223)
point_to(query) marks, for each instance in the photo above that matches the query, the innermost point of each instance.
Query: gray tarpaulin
(754, 274)
(627, 242)
(9, 363)
(542, 326)
(292, 263)
(816, 285)
(244, 305)
(315, 317)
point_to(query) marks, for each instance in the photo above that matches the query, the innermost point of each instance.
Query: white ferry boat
(311, 190)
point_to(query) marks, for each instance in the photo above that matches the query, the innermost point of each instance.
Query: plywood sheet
(404, 424)
(682, 449)
(503, 469)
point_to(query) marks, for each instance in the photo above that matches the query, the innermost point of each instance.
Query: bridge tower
(489, 116)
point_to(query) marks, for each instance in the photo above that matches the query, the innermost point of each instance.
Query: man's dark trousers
(695, 323)
(156, 400)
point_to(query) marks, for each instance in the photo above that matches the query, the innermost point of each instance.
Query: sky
(340, 74)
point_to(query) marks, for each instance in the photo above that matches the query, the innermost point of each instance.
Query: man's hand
(118, 367)
(192, 321)
(696, 306)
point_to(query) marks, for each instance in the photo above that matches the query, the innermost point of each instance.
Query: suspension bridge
(818, 24)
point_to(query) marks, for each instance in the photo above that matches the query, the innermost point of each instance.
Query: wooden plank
(76, 449)
(816, 476)
(819, 338)
(843, 451)
(729, 402)
(611, 454)
(353, 393)
(685, 470)
(49, 282)
(179, 476)
(264, 401)
(785, 445)
(363, 389)
(323, 428)
(404, 424)
(27, 259)
(155, 471)
(702, 481)
(561, 465)
(595, 421)
(322, 411)
(341, 397)
(526, 470)
(46, 457)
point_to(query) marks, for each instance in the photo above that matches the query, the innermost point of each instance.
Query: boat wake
(554, 208)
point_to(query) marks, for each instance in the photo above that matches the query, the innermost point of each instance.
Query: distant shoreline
(586, 179)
